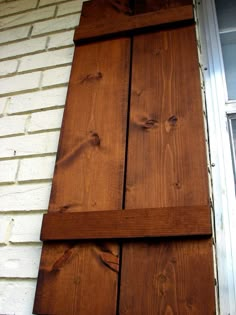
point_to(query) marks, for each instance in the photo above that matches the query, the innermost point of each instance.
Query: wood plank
(88, 176)
(166, 168)
(125, 25)
(142, 6)
(137, 223)
(100, 10)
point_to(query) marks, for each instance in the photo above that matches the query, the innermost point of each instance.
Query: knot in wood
(150, 123)
(91, 77)
(172, 121)
(95, 140)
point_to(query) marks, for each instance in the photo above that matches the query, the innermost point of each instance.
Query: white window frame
(222, 174)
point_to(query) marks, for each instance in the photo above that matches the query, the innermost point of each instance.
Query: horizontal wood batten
(128, 24)
(134, 223)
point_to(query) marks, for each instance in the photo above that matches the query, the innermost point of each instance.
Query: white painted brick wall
(8, 170)
(17, 296)
(36, 168)
(29, 145)
(8, 67)
(56, 76)
(21, 32)
(12, 125)
(66, 22)
(47, 119)
(36, 101)
(27, 17)
(17, 6)
(19, 261)
(46, 59)
(20, 83)
(36, 51)
(22, 48)
(71, 7)
(26, 197)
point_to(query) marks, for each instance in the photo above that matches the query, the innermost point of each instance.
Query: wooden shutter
(128, 228)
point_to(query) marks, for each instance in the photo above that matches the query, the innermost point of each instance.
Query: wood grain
(166, 168)
(100, 10)
(142, 6)
(125, 25)
(88, 176)
(137, 223)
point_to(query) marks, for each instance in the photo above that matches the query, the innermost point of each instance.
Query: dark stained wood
(88, 176)
(100, 10)
(166, 168)
(142, 6)
(168, 278)
(124, 24)
(181, 221)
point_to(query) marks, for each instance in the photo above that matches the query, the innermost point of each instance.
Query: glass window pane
(228, 42)
(226, 10)
(226, 14)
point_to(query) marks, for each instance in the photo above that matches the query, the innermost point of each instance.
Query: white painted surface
(56, 76)
(27, 17)
(22, 48)
(36, 101)
(28, 197)
(29, 145)
(8, 170)
(50, 119)
(12, 125)
(46, 59)
(222, 172)
(8, 67)
(36, 51)
(10, 36)
(36, 168)
(18, 83)
(67, 22)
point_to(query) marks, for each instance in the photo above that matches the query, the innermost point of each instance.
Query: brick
(17, 296)
(8, 67)
(22, 231)
(61, 39)
(8, 171)
(36, 100)
(69, 7)
(3, 101)
(48, 2)
(63, 23)
(27, 17)
(46, 120)
(17, 6)
(29, 145)
(18, 83)
(10, 125)
(6, 224)
(24, 47)
(25, 197)
(47, 59)
(36, 168)
(19, 262)
(18, 33)
(56, 76)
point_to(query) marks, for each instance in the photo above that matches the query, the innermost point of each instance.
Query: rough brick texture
(36, 51)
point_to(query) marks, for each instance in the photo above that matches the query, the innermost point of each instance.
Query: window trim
(217, 107)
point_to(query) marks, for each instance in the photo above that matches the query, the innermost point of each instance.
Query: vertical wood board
(166, 167)
(81, 278)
